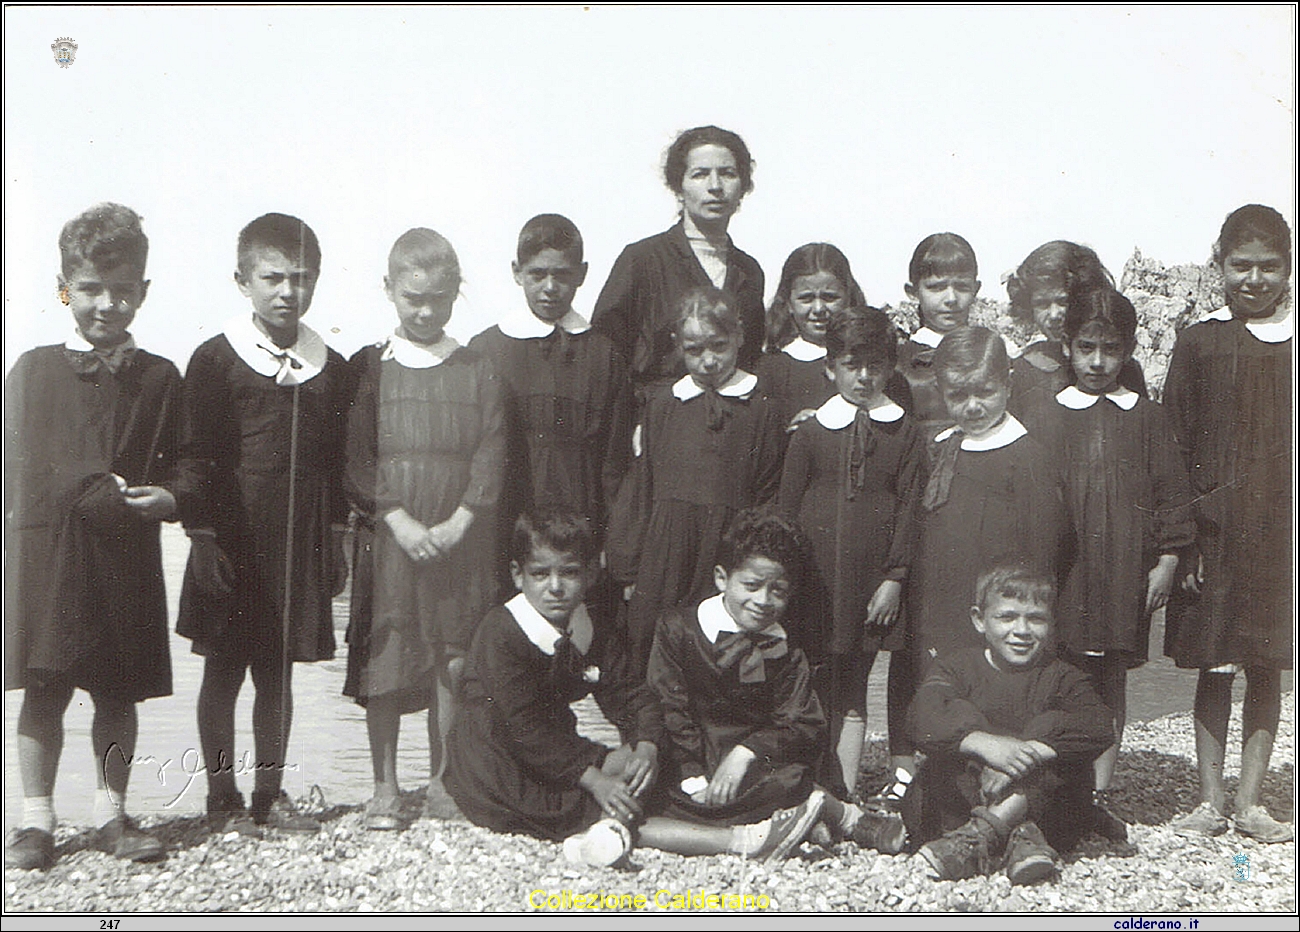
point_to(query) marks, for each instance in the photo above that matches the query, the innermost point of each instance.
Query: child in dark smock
(743, 724)
(994, 493)
(853, 478)
(1231, 393)
(1039, 290)
(424, 458)
(708, 445)
(1010, 733)
(516, 762)
(1128, 496)
(568, 399)
(261, 497)
(816, 281)
(91, 428)
(943, 279)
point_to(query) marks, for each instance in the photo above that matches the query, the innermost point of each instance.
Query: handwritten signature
(191, 765)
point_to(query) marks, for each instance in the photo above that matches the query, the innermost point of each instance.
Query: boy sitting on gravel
(1010, 733)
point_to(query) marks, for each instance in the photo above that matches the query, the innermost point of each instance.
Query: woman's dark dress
(84, 596)
(514, 755)
(637, 308)
(1230, 395)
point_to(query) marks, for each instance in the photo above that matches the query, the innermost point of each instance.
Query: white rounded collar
(1276, 328)
(543, 634)
(418, 355)
(522, 326)
(836, 413)
(927, 337)
(1007, 433)
(739, 385)
(292, 365)
(802, 350)
(1077, 399)
(713, 620)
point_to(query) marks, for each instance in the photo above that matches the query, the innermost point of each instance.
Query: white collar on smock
(1008, 432)
(291, 365)
(529, 327)
(714, 620)
(739, 385)
(1077, 399)
(802, 350)
(1278, 327)
(836, 413)
(418, 355)
(927, 337)
(543, 634)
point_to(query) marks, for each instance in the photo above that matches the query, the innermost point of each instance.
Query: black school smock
(84, 596)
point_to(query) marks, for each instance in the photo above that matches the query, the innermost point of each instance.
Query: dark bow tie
(862, 443)
(89, 362)
(748, 652)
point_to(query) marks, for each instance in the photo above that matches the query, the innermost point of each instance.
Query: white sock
(746, 840)
(108, 806)
(38, 812)
(902, 780)
(849, 752)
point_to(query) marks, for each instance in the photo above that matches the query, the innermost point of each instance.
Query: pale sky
(871, 128)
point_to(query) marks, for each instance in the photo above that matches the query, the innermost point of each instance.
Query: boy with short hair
(568, 395)
(90, 445)
(1011, 733)
(263, 504)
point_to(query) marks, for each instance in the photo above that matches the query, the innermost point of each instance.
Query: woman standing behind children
(1039, 289)
(708, 448)
(1230, 391)
(425, 451)
(1127, 491)
(710, 171)
(853, 478)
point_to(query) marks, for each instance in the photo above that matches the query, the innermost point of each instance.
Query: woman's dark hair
(808, 259)
(1251, 223)
(675, 162)
(1059, 264)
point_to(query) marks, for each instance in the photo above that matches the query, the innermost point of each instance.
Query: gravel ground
(437, 865)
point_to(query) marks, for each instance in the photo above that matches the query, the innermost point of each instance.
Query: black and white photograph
(695, 462)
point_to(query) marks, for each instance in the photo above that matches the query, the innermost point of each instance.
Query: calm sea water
(328, 743)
